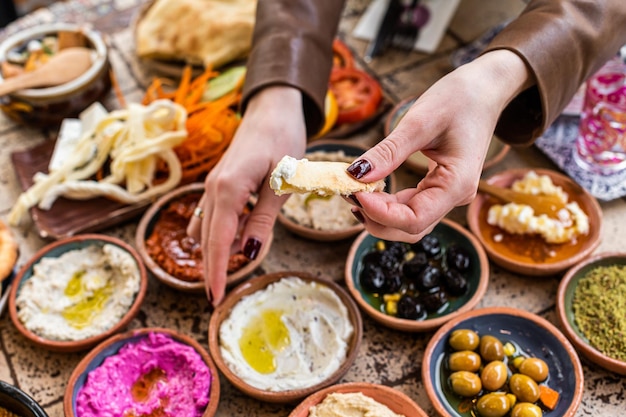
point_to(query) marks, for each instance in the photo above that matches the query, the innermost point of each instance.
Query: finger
(219, 229)
(194, 228)
(261, 221)
(393, 234)
(410, 135)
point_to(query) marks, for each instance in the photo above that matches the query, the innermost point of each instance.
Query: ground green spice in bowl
(599, 307)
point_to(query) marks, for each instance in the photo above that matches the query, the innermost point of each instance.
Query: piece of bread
(293, 175)
(8, 251)
(202, 32)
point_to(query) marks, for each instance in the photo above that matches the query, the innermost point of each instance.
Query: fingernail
(252, 248)
(359, 168)
(355, 200)
(359, 216)
(211, 298)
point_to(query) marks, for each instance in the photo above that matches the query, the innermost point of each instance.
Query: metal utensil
(385, 31)
(410, 21)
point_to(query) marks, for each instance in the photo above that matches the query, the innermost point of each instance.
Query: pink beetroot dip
(155, 376)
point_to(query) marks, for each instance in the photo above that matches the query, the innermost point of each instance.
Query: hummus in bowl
(76, 292)
(146, 372)
(358, 399)
(279, 337)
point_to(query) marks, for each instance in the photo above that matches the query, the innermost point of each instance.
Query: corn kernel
(391, 307)
(509, 349)
(517, 362)
(380, 245)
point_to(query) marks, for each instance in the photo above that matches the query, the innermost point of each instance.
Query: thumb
(386, 156)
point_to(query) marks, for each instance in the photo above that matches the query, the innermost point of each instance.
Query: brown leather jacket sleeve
(292, 45)
(563, 42)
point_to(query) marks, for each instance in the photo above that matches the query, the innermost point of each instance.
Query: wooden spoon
(63, 67)
(541, 204)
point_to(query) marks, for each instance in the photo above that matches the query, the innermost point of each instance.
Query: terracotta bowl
(223, 311)
(352, 151)
(47, 107)
(146, 227)
(418, 162)
(450, 236)
(55, 250)
(18, 402)
(532, 336)
(112, 346)
(395, 400)
(567, 316)
(531, 255)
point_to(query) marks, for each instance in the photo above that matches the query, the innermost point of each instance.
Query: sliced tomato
(342, 56)
(358, 95)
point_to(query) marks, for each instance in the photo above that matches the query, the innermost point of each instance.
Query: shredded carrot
(116, 89)
(548, 396)
(210, 125)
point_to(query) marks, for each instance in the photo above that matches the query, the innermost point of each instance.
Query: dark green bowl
(448, 233)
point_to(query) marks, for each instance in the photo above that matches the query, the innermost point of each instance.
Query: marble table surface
(386, 356)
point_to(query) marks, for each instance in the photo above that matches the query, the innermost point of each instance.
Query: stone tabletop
(386, 356)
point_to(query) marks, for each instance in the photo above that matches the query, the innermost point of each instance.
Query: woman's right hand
(273, 126)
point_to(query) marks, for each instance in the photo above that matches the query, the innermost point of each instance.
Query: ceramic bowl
(449, 235)
(532, 335)
(145, 229)
(395, 400)
(18, 402)
(351, 152)
(259, 283)
(567, 317)
(55, 250)
(418, 162)
(112, 346)
(47, 107)
(531, 255)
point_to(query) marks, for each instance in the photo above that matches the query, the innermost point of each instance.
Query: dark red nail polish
(359, 168)
(359, 216)
(252, 248)
(211, 298)
(355, 200)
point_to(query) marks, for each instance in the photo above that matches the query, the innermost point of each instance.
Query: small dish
(335, 208)
(188, 194)
(80, 307)
(16, 401)
(568, 317)
(47, 107)
(285, 290)
(177, 349)
(532, 335)
(532, 255)
(395, 400)
(448, 236)
(418, 162)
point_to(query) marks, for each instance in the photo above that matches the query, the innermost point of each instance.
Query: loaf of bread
(202, 32)
(293, 175)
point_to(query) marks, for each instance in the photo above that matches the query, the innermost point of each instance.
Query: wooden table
(386, 356)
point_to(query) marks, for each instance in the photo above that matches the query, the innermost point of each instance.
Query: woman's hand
(273, 126)
(452, 123)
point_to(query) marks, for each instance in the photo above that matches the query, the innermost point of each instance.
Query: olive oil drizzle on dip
(81, 314)
(264, 335)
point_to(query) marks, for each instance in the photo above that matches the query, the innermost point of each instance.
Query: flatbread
(293, 175)
(8, 251)
(202, 32)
